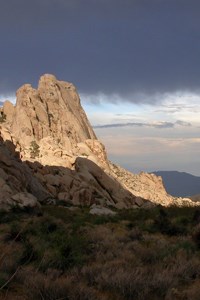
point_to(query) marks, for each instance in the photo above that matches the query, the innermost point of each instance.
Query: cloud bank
(159, 125)
(115, 47)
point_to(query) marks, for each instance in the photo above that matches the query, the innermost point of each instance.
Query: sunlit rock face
(53, 111)
(49, 152)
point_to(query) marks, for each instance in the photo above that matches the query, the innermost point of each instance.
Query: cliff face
(60, 157)
(53, 110)
(49, 124)
(18, 186)
(147, 186)
(29, 183)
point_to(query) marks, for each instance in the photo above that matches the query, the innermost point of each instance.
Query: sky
(135, 63)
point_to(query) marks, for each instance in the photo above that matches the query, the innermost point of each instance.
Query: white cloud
(9, 97)
(183, 107)
(148, 149)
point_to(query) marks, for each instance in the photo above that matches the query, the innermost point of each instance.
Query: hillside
(75, 226)
(47, 138)
(180, 184)
(56, 253)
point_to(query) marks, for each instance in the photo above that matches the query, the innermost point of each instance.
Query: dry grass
(132, 256)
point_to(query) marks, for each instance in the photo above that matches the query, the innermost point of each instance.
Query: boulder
(99, 210)
(23, 200)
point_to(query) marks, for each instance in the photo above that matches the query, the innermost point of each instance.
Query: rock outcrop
(26, 184)
(147, 186)
(17, 184)
(49, 124)
(53, 110)
(50, 153)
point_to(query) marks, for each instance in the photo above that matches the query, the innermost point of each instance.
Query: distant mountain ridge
(180, 184)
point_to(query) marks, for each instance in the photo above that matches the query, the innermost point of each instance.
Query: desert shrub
(52, 244)
(196, 236)
(48, 226)
(163, 224)
(147, 282)
(2, 117)
(9, 263)
(196, 217)
(173, 272)
(15, 233)
(83, 292)
(182, 221)
(38, 286)
(128, 283)
(34, 149)
(41, 287)
(75, 218)
(63, 203)
(187, 245)
(6, 217)
(193, 292)
(29, 253)
(91, 272)
(68, 254)
(74, 255)
(135, 234)
(4, 277)
(98, 220)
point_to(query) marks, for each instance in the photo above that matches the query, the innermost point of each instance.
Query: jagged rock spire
(52, 110)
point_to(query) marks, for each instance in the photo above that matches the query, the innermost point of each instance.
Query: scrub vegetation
(59, 253)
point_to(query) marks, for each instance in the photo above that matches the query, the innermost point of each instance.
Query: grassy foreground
(57, 253)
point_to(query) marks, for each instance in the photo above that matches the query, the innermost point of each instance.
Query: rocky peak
(60, 157)
(53, 110)
(48, 124)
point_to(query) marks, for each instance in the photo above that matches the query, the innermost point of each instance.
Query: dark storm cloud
(119, 47)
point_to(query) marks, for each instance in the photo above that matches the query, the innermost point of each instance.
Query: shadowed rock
(49, 152)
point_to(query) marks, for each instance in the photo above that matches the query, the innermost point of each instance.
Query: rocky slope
(148, 186)
(26, 184)
(18, 187)
(59, 157)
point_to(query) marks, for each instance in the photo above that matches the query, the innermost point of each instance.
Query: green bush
(14, 233)
(136, 254)
(34, 149)
(164, 225)
(2, 117)
(196, 236)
